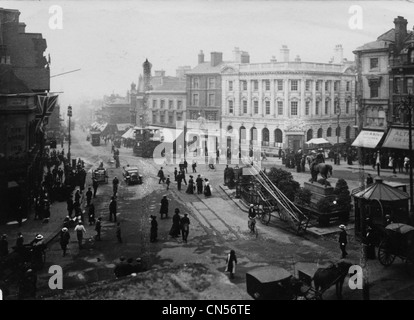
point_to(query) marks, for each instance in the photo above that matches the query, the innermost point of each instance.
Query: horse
(325, 170)
(324, 278)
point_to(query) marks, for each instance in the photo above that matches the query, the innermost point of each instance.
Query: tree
(343, 195)
(283, 180)
(303, 197)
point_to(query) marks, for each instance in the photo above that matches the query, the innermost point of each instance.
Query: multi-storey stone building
(285, 104)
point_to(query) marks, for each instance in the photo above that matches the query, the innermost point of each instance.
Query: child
(168, 182)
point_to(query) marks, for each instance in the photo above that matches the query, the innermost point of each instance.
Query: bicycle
(252, 226)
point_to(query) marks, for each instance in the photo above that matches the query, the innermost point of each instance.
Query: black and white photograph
(218, 152)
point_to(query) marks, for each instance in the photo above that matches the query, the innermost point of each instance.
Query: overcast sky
(109, 40)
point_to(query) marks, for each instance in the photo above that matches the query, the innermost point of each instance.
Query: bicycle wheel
(265, 217)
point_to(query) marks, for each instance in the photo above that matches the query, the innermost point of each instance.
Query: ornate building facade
(285, 104)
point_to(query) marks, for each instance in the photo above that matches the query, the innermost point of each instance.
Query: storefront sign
(398, 139)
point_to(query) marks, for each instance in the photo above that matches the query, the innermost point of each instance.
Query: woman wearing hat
(231, 263)
(190, 188)
(164, 207)
(207, 188)
(64, 239)
(343, 240)
(175, 228)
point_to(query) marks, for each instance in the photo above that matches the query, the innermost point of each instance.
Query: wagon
(100, 175)
(398, 241)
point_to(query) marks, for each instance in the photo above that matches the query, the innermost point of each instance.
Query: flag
(45, 106)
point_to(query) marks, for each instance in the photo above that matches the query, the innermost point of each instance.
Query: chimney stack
(400, 32)
(338, 54)
(297, 59)
(245, 57)
(284, 53)
(201, 57)
(159, 73)
(273, 60)
(237, 55)
(216, 58)
(181, 71)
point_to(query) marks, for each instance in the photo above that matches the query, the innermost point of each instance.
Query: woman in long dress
(164, 207)
(231, 263)
(207, 189)
(175, 228)
(190, 188)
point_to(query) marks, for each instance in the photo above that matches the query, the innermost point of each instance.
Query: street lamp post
(338, 111)
(407, 105)
(70, 116)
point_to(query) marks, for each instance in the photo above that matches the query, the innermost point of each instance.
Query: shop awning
(130, 134)
(334, 140)
(317, 141)
(397, 138)
(368, 139)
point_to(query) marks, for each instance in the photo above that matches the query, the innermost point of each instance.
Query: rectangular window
(294, 85)
(374, 91)
(267, 85)
(294, 108)
(327, 85)
(179, 104)
(211, 99)
(162, 104)
(397, 85)
(317, 107)
(211, 83)
(212, 116)
(410, 85)
(179, 117)
(267, 107)
(280, 85)
(373, 63)
(170, 104)
(230, 106)
(348, 86)
(244, 85)
(244, 106)
(336, 85)
(348, 104)
(307, 106)
(326, 106)
(193, 115)
(170, 119)
(307, 85)
(154, 117)
(318, 85)
(195, 83)
(230, 85)
(162, 118)
(154, 104)
(195, 99)
(256, 106)
(280, 108)
(255, 85)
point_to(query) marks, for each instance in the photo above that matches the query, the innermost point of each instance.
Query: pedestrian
(115, 183)
(4, 246)
(19, 215)
(28, 285)
(19, 241)
(231, 263)
(280, 153)
(190, 188)
(207, 188)
(161, 176)
(182, 173)
(175, 228)
(199, 182)
(168, 181)
(78, 196)
(343, 240)
(179, 180)
(64, 239)
(175, 174)
(164, 207)
(194, 166)
(121, 268)
(185, 165)
(369, 238)
(80, 230)
(98, 227)
(95, 185)
(185, 226)
(38, 209)
(112, 209)
(89, 195)
(154, 229)
(91, 214)
(370, 180)
(118, 232)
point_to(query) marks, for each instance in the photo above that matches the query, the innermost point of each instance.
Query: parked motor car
(131, 175)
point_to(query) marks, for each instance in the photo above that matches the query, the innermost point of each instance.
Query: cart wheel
(385, 257)
(265, 217)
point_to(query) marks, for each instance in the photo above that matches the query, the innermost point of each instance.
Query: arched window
(329, 132)
(348, 132)
(242, 133)
(265, 137)
(338, 131)
(278, 136)
(320, 132)
(253, 134)
(309, 135)
(229, 129)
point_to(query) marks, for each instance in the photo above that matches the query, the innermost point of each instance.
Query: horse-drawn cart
(310, 283)
(397, 241)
